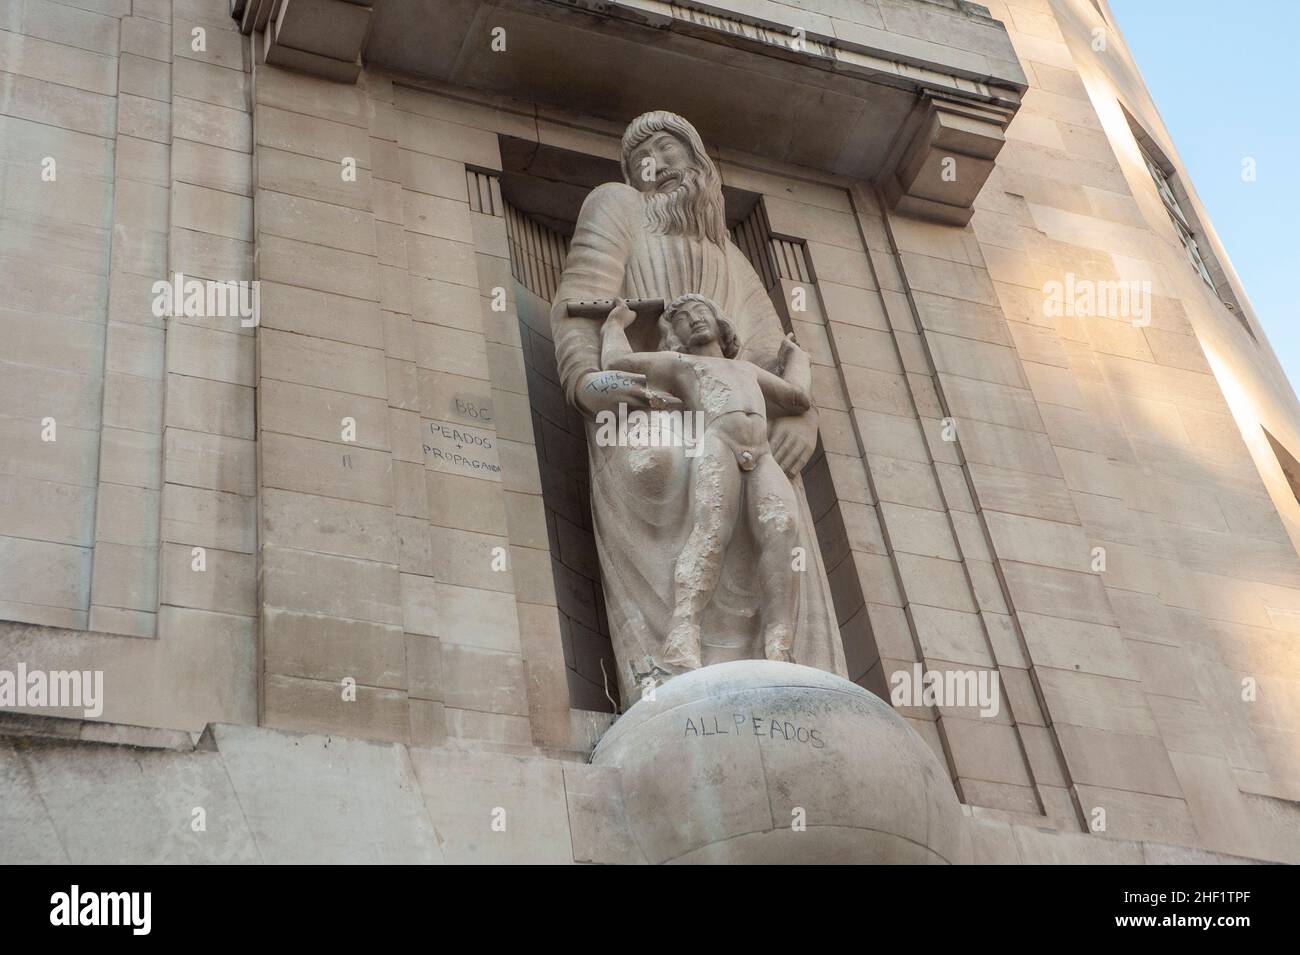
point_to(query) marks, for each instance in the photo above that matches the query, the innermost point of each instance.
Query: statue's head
(664, 158)
(692, 322)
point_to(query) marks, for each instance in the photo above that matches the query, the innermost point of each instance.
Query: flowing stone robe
(641, 496)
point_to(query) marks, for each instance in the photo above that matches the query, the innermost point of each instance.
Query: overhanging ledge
(880, 94)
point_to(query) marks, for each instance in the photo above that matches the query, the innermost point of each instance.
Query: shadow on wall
(561, 443)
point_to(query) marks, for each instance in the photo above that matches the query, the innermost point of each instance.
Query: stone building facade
(336, 566)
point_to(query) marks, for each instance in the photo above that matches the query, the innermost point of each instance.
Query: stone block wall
(1082, 432)
(127, 142)
(62, 134)
(407, 556)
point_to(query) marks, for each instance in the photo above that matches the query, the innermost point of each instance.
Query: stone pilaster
(207, 554)
(334, 657)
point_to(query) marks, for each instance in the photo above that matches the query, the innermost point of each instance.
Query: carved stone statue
(733, 467)
(686, 582)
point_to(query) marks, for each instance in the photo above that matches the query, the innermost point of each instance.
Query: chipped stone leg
(773, 520)
(715, 505)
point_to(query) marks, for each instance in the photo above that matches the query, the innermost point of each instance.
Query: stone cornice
(825, 42)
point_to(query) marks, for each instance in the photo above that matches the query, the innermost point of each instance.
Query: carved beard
(683, 211)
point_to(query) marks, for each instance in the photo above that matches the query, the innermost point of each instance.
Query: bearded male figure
(660, 234)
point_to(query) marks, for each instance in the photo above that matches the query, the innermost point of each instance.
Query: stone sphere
(761, 762)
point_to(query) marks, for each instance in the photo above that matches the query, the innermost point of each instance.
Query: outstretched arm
(796, 366)
(793, 438)
(616, 352)
(789, 394)
(783, 397)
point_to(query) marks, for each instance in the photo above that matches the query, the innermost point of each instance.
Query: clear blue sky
(1226, 79)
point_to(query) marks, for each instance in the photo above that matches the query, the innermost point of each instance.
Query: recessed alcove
(543, 188)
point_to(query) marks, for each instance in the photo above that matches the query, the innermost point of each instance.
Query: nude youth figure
(734, 470)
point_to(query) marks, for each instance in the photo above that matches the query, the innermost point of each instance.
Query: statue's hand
(620, 314)
(793, 441)
(605, 390)
(787, 350)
